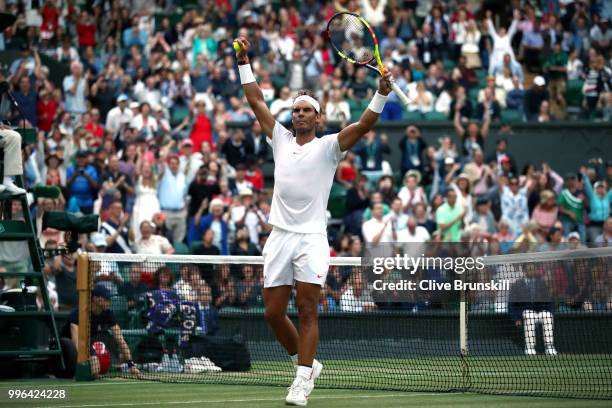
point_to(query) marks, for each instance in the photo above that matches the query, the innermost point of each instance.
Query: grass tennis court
(534, 375)
(125, 393)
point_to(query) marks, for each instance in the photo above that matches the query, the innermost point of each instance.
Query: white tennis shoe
(299, 391)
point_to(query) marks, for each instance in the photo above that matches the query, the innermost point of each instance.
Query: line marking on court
(68, 384)
(329, 397)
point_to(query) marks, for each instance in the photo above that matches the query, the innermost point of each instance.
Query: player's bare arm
(251, 88)
(350, 135)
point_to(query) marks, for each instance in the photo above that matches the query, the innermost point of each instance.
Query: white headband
(310, 100)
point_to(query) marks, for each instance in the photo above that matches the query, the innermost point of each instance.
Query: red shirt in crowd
(201, 132)
(87, 34)
(46, 111)
(96, 129)
(50, 17)
(256, 178)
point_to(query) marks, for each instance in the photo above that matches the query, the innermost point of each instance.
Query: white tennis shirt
(303, 176)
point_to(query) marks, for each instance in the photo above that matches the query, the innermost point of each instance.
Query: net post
(83, 369)
(463, 337)
(463, 330)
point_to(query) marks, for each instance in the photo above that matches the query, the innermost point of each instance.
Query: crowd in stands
(132, 102)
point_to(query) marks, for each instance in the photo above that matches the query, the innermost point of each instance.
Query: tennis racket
(354, 40)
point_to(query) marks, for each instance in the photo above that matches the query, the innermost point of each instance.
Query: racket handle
(400, 94)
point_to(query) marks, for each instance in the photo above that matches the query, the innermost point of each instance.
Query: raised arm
(491, 26)
(516, 16)
(350, 135)
(251, 89)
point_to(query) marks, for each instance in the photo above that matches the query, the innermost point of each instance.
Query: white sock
(294, 358)
(8, 180)
(305, 372)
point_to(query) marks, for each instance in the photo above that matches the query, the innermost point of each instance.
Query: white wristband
(377, 103)
(246, 74)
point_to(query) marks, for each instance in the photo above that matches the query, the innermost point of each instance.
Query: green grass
(560, 376)
(124, 393)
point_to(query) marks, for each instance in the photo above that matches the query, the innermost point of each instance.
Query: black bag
(148, 350)
(229, 353)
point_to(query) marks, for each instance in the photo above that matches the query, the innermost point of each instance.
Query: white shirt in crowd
(420, 234)
(351, 303)
(303, 176)
(116, 117)
(372, 227)
(155, 245)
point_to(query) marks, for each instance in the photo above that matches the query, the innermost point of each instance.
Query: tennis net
(207, 325)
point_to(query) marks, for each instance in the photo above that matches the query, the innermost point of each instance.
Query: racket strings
(356, 41)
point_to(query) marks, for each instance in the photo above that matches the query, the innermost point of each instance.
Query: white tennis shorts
(290, 256)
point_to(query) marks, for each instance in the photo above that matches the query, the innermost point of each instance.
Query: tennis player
(297, 250)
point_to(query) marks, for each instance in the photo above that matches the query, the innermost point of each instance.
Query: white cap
(539, 81)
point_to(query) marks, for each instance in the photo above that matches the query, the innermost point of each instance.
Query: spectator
(412, 232)
(489, 106)
(483, 217)
(260, 145)
(376, 230)
(119, 117)
(471, 45)
(337, 109)
(171, 193)
(27, 99)
(556, 66)
(116, 231)
(113, 178)
(449, 216)
(605, 239)
(601, 34)
(370, 152)
(533, 45)
(186, 287)
(134, 288)
(218, 221)
(574, 66)
(508, 63)
(76, 90)
(189, 162)
(237, 148)
(534, 98)
(249, 290)
(515, 97)
(150, 243)
(501, 41)
(224, 290)
(412, 148)
(571, 207)
(282, 106)
(472, 138)
(600, 200)
(65, 283)
(422, 101)
(514, 204)
(82, 182)
(411, 193)
(359, 88)
(545, 213)
(597, 82)
(544, 114)
(356, 297)
(146, 203)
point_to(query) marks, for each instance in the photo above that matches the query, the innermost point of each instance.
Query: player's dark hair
(306, 92)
